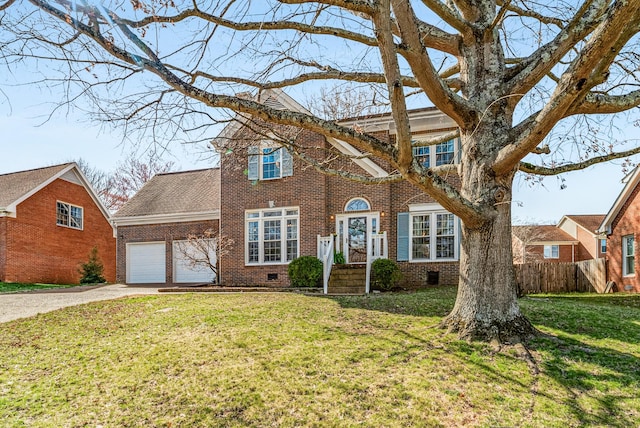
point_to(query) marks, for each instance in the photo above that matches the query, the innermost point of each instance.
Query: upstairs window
(603, 246)
(68, 215)
(551, 251)
(269, 162)
(436, 155)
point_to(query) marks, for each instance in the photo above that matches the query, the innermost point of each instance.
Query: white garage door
(186, 271)
(146, 263)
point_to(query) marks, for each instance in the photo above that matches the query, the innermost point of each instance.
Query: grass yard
(236, 360)
(16, 287)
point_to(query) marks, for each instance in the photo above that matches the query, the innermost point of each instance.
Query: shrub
(91, 271)
(338, 258)
(385, 274)
(305, 271)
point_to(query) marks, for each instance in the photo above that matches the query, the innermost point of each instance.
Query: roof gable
(18, 186)
(589, 222)
(616, 208)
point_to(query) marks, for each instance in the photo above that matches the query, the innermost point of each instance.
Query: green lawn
(202, 360)
(17, 287)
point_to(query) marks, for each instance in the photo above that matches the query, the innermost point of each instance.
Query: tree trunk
(486, 307)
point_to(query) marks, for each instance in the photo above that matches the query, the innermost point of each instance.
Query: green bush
(91, 271)
(305, 271)
(338, 258)
(385, 274)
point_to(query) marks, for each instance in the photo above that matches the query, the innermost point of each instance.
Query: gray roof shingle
(15, 185)
(176, 193)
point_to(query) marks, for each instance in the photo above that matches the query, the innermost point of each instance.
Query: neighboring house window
(68, 215)
(628, 256)
(443, 153)
(603, 246)
(551, 251)
(427, 236)
(269, 162)
(272, 235)
(357, 204)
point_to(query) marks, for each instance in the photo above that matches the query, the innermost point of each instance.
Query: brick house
(276, 208)
(543, 243)
(156, 222)
(621, 225)
(584, 228)
(573, 239)
(50, 219)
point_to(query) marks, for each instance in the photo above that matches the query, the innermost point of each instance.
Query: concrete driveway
(23, 305)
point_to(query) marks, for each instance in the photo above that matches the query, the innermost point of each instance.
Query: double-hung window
(551, 251)
(427, 235)
(603, 246)
(68, 215)
(272, 235)
(628, 256)
(437, 154)
(269, 162)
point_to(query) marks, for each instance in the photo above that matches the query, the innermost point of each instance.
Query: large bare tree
(508, 72)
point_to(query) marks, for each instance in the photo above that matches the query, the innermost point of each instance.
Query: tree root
(516, 330)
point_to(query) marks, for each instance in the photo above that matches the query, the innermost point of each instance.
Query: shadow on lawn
(590, 350)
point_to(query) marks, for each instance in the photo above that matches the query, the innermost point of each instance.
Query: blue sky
(28, 141)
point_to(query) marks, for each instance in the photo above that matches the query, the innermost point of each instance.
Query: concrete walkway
(23, 305)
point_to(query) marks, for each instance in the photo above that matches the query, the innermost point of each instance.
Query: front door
(353, 233)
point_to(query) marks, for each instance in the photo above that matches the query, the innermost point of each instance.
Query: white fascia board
(6, 212)
(419, 121)
(628, 188)
(430, 206)
(367, 164)
(165, 218)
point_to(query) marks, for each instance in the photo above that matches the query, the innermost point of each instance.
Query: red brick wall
(167, 232)
(625, 224)
(38, 250)
(319, 197)
(535, 253)
(3, 247)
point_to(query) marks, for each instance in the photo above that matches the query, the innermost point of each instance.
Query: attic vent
(273, 103)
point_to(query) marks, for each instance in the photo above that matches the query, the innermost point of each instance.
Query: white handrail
(325, 254)
(378, 249)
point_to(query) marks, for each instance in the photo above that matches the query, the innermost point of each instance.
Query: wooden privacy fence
(585, 276)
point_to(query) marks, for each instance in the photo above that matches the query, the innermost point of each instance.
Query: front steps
(347, 279)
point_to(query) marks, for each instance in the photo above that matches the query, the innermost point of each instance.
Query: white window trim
(551, 247)
(433, 154)
(357, 211)
(419, 209)
(69, 206)
(283, 234)
(625, 255)
(275, 149)
(602, 241)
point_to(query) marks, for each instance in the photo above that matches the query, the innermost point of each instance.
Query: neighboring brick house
(543, 243)
(274, 207)
(50, 219)
(158, 219)
(622, 228)
(584, 227)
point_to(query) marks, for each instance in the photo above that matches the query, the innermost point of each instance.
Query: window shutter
(253, 167)
(403, 237)
(287, 162)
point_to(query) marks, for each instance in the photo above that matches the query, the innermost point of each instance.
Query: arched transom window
(357, 204)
